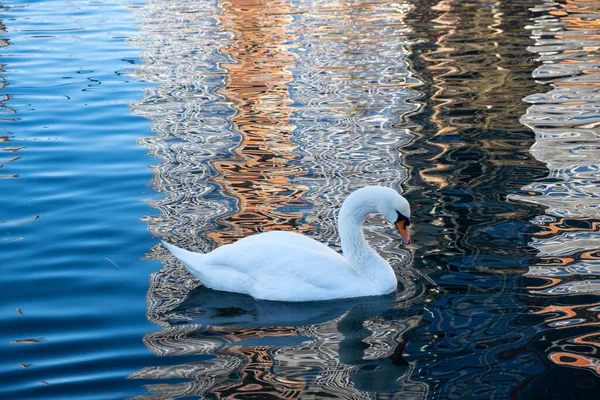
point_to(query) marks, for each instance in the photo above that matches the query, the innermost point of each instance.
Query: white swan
(286, 266)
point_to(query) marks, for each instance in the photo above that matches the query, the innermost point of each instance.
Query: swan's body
(286, 266)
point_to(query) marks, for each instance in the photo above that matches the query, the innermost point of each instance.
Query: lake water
(202, 122)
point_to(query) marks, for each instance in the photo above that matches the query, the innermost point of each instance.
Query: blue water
(201, 122)
(71, 235)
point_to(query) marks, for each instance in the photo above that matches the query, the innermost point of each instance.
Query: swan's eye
(402, 218)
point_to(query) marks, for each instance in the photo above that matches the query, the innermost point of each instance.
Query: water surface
(204, 122)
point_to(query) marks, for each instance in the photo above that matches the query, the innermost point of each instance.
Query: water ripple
(267, 115)
(566, 120)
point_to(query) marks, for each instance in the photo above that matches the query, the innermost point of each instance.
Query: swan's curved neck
(363, 258)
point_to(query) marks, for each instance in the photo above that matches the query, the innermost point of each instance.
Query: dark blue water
(203, 122)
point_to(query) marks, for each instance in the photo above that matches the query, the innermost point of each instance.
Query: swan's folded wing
(288, 271)
(276, 253)
(290, 238)
(218, 277)
(276, 266)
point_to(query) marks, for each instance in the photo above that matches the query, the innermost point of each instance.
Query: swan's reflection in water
(259, 349)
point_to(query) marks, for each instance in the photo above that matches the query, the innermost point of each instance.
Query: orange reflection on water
(259, 174)
(584, 339)
(256, 379)
(442, 67)
(551, 282)
(576, 360)
(569, 358)
(567, 312)
(558, 226)
(591, 255)
(556, 261)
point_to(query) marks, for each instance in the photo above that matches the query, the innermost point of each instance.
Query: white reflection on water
(566, 121)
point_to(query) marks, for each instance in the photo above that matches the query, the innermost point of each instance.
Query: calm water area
(202, 122)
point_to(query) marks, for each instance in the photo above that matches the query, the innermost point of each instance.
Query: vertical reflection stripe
(258, 176)
(565, 120)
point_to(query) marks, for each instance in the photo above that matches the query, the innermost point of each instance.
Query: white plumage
(286, 266)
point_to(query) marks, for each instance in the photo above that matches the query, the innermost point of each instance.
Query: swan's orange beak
(401, 225)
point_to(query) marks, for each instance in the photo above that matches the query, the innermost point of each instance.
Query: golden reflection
(567, 313)
(256, 87)
(584, 339)
(561, 225)
(556, 261)
(471, 92)
(473, 89)
(576, 360)
(440, 66)
(566, 318)
(257, 378)
(551, 282)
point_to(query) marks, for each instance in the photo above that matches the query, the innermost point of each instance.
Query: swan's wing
(267, 252)
(294, 269)
(291, 238)
(291, 270)
(276, 266)
(214, 276)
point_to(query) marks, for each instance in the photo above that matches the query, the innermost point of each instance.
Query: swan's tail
(190, 259)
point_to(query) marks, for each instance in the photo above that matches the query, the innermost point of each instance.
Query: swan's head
(396, 209)
(384, 200)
